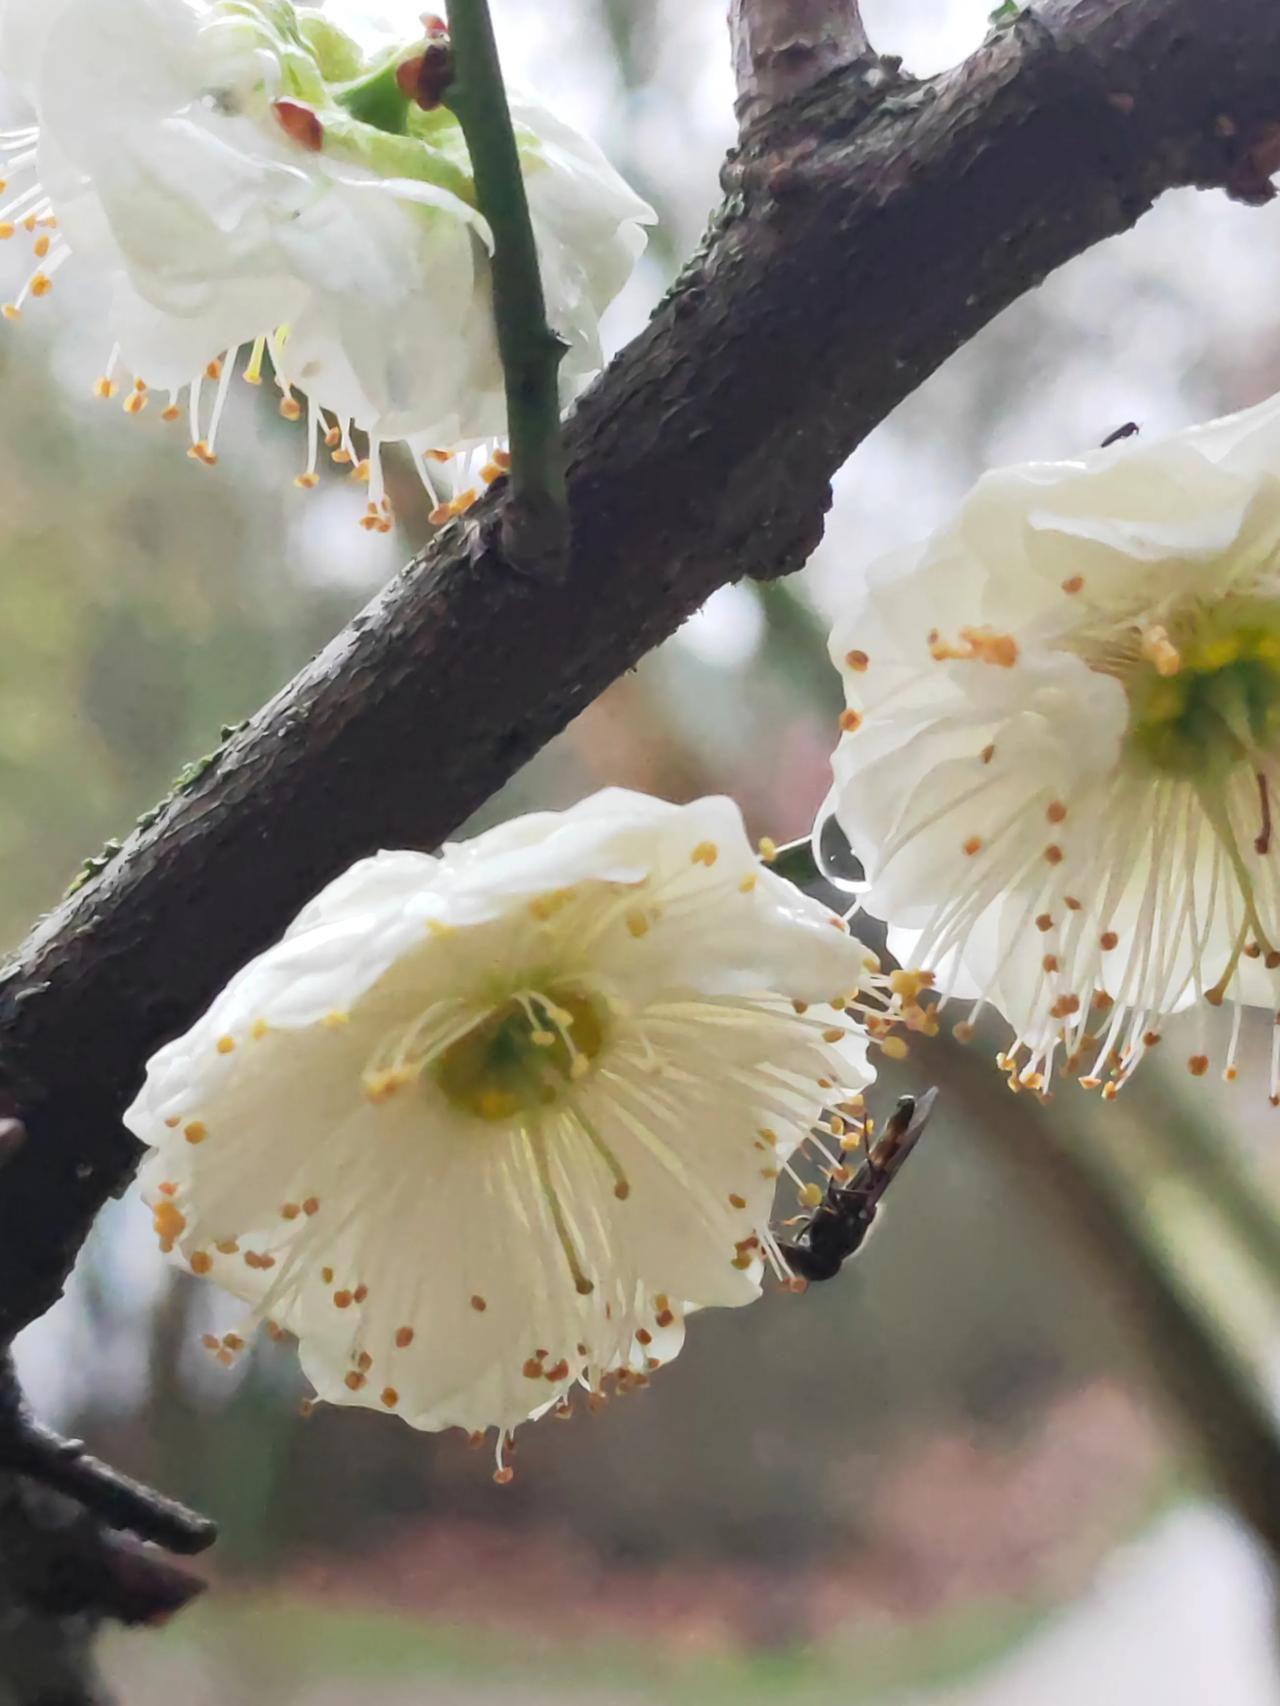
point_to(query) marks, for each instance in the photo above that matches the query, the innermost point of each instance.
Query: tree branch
(781, 48)
(864, 239)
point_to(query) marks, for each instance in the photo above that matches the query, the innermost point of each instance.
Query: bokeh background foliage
(948, 1478)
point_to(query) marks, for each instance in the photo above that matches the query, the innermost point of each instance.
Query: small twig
(121, 1502)
(535, 519)
(783, 47)
(30, 1449)
(57, 1561)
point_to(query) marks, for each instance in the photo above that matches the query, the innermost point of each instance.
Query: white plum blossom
(1061, 754)
(486, 1125)
(245, 181)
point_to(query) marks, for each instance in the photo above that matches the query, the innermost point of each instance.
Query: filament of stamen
(777, 1261)
(536, 1142)
(420, 467)
(220, 398)
(621, 1184)
(13, 211)
(315, 430)
(193, 408)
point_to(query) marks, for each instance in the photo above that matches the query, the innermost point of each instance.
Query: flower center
(523, 1055)
(1204, 694)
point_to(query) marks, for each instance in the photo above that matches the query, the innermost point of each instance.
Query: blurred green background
(975, 1470)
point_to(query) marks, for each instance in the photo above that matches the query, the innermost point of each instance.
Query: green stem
(531, 353)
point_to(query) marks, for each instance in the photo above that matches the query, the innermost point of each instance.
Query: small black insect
(836, 1229)
(1130, 429)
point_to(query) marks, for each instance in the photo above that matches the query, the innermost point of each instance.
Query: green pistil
(1214, 699)
(522, 1056)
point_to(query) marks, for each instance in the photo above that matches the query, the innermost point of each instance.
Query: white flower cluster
(248, 183)
(1060, 765)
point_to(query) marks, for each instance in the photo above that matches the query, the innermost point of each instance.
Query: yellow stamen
(1159, 649)
(253, 372)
